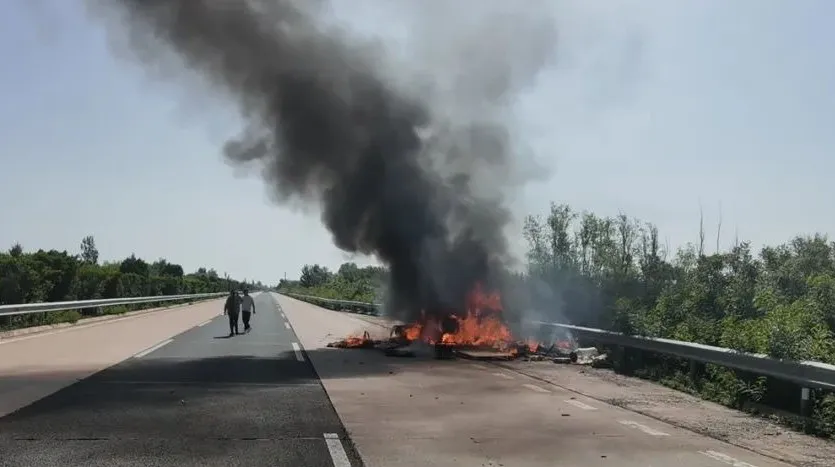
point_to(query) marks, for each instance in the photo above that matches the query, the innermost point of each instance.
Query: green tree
(51, 275)
(314, 276)
(350, 282)
(16, 250)
(89, 252)
(134, 265)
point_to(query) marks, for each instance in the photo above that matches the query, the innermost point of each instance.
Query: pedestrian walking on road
(247, 309)
(231, 308)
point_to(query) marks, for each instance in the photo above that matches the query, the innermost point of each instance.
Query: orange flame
(480, 326)
(532, 344)
(357, 341)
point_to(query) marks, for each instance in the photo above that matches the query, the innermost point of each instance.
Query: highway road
(186, 395)
(196, 398)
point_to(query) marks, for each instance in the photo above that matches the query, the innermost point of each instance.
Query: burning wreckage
(479, 333)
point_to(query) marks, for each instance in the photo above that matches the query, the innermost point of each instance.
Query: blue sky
(651, 108)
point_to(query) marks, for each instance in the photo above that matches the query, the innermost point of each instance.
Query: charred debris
(399, 343)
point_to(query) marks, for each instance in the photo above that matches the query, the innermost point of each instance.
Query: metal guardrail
(26, 308)
(361, 307)
(805, 373)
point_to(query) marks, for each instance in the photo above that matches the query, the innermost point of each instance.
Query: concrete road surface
(195, 399)
(424, 412)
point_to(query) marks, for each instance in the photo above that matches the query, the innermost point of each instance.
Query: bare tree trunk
(701, 231)
(719, 228)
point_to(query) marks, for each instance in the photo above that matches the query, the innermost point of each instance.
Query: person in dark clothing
(232, 308)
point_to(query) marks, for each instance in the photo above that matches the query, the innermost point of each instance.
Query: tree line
(349, 282)
(52, 275)
(615, 273)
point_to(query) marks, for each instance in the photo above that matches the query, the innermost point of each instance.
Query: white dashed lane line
(644, 428)
(503, 375)
(338, 455)
(151, 349)
(536, 388)
(579, 404)
(298, 351)
(726, 459)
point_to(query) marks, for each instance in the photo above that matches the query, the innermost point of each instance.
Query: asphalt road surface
(197, 399)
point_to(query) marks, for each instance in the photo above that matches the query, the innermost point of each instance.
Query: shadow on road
(144, 386)
(185, 412)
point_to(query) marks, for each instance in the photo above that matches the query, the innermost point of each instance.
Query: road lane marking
(286, 325)
(282, 316)
(643, 428)
(503, 375)
(579, 404)
(298, 352)
(533, 387)
(726, 459)
(337, 452)
(204, 323)
(118, 382)
(151, 349)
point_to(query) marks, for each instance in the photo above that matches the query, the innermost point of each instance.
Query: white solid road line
(338, 455)
(151, 349)
(503, 375)
(579, 404)
(298, 351)
(533, 387)
(726, 459)
(286, 325)
(204, 323)
(643, 428)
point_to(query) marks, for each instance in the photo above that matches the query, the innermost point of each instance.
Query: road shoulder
(686, 411)
(317, 326)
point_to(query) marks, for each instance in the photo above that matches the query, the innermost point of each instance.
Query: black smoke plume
(422, 191)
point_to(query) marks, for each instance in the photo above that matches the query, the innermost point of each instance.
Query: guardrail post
(806, 408)
(621, 359)
(638, 359)
(695, 372)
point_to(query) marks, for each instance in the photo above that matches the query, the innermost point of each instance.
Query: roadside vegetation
(615, 273)
(53, 276)
(349, 282)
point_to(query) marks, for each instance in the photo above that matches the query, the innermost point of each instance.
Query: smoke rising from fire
(418, 177)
